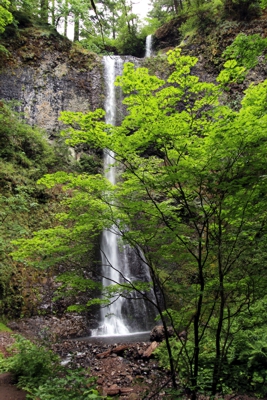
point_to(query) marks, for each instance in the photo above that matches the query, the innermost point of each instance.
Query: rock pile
(53, 328)
(124, 370)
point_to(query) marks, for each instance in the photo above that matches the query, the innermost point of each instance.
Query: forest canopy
(112, 26)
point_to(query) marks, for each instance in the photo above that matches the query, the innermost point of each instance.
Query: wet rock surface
(47, 75)
(168, 35)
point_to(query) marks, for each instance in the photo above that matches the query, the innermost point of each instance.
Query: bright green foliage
(5, 16)
(72, 285)
(65, 243)
(255, 100)
(97, 45)
(231, 73)
(246, 49)
(192, 197)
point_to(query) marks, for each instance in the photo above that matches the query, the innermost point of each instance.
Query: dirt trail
(9, 391)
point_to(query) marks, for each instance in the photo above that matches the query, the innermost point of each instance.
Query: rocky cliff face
(46, 74)
(168, 35)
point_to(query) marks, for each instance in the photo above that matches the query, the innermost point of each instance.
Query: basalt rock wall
(47, 74)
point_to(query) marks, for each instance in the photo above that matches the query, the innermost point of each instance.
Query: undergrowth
(38, 371)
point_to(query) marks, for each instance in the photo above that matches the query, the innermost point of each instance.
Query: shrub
(74, 385)
(246, 49)
(38, 371)
(30, 363)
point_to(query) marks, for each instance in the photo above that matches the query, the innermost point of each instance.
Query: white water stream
(122, 316)
(111, 318)
(149, 43)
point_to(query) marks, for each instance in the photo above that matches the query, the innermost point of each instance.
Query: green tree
(113, 27)
(242, 9)
(44, 11)
(164, 10)
(127, 37)
(192, 197)
(78, 12)
(200, 15)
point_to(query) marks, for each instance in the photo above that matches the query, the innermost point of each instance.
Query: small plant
(4, 52)
(231, 73)
(73, 385)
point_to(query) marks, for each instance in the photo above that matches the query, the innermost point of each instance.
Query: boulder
(168, 35)
(116, 350)
(158, 334)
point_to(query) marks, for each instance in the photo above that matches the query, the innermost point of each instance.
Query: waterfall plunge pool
(112, 339)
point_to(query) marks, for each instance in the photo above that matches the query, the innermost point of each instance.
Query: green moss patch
(4, 328)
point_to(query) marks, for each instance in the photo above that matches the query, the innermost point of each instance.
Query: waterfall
(122, 316)
(149, 43)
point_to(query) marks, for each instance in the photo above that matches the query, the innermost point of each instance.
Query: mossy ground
(4, 328)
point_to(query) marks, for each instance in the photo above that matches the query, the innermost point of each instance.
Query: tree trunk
(66, 18)
(218, 357)
(194, 378)
(113, 26)
(175, 3)
(53, 13)
(44, 11)
(76, 28)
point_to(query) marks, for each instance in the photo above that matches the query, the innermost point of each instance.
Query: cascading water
(149, 43)
(122, 316)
